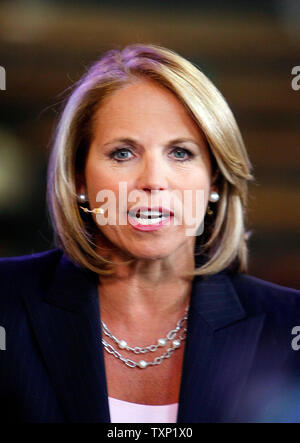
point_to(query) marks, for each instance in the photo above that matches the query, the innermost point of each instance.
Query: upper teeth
(148, 215)
(151, 213)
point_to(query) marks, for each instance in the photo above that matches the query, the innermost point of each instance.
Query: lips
(149, 221)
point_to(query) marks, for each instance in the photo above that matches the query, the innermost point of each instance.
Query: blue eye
(183, 151)
(120, 151)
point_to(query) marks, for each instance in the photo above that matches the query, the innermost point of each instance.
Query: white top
(127, 412)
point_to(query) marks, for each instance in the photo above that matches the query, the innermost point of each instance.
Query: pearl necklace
(161, 342)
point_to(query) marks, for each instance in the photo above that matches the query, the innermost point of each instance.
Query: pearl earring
(214, 197)
(82, 198)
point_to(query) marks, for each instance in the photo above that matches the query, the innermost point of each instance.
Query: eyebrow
(171, 142)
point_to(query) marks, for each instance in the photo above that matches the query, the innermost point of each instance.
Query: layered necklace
(173, 338)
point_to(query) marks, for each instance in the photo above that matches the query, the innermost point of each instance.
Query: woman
(141, 314)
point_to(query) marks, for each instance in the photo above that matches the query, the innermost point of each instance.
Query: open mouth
(148, 216)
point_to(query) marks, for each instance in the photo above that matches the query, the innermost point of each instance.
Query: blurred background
(247, 48)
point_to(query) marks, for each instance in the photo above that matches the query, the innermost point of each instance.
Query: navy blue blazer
(238, 365)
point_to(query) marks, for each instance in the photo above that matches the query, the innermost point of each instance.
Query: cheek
(199, 181)
(103, 189)
(200, 194)
(96, 177)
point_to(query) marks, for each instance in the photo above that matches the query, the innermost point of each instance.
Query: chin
(152, 254)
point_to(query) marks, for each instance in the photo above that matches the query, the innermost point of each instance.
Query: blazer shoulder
(265, 295)
(24, 270)
(25, 262)
(252, 283)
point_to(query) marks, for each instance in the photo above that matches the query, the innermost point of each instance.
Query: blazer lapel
(220, 347)
(67, 328)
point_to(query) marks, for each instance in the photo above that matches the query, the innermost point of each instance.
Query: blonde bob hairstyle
(223, 243)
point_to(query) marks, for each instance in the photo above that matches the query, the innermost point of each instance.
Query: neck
(146, 290)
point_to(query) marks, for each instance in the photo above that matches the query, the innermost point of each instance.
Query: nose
(152, 174)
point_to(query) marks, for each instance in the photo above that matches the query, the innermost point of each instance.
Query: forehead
(142, 106)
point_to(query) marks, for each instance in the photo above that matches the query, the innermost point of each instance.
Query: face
(144, 137)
